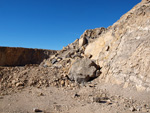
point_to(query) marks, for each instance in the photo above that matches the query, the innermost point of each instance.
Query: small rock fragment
(36, 110)
(132, 109)
(62, 82)
(138, 108)
(13, 81)
(41, 94)
(96, 99)
(76, 95)
(19, 84)
(1, 97)
(59, 59)
(109, 102)
(53, 61)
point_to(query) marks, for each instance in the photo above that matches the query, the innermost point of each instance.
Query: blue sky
(52, 24)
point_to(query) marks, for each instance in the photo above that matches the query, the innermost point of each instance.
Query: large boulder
(82, 70)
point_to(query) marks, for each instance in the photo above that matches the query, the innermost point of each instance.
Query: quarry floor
(93, 97)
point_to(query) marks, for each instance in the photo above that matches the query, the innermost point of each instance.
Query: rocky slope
(118, 54)
(121, 51)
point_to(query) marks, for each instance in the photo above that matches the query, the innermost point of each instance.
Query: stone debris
(37, 110)
(132, 109)
(1, 97)
(54, 61)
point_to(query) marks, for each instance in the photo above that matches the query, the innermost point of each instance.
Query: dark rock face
(10, 56)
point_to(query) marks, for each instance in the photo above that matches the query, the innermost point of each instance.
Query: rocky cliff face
(21, 56)
(123, 51)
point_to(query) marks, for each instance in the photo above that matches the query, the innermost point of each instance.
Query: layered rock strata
(11, 56)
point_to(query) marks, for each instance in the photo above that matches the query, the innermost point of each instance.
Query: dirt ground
(93, 97)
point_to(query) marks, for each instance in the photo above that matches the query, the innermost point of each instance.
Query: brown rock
(62, 82)
(10, 56)
(1, 97)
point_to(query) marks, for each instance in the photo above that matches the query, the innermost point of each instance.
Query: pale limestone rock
(82, 41)
(123, 51)
(140, 88)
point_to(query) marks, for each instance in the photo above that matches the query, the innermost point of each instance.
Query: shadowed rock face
(10, 56)
(82, 70)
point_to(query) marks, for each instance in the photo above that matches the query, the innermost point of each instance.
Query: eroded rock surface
(123, 51)
(11, 56)
(82, 70)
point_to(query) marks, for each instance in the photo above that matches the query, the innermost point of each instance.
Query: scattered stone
(37, 110)
(59, 59)
(107, 48)
(47, 64)
(1, 97)
(19, 84)
(97, 99)
(108, 102)
(92, 85)
(148, 106)
(13, 81)
(76, 95)
(54, 61)
(144, 110)
(138, 108)
(62, 82)
(57, 107)
(132, 109)
(66, 83)
(41, 94)
(126, 85)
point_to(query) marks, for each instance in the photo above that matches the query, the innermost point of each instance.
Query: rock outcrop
(90, 35)
(10, 56)
(123, 51)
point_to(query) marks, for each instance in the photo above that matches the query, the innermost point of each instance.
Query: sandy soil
(94, 97)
